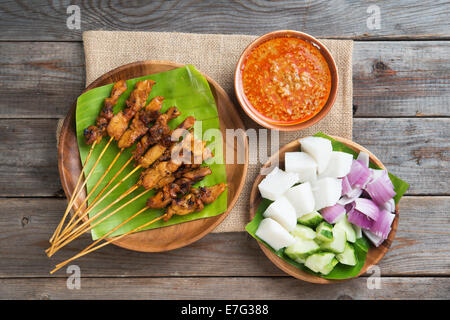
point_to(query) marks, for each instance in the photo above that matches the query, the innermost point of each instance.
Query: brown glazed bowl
(261, 119)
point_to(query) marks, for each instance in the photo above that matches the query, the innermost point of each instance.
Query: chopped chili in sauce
(286, 79)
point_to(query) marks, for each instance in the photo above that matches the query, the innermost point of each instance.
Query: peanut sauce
(286, 80)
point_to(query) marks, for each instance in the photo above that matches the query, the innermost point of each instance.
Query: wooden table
(401, 113)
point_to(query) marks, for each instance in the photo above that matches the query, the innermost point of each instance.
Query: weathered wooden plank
(46, 21)
(42, 79)
(417, 150)
(223, 288)
(28, 158)
(421, 246)
(401, 79)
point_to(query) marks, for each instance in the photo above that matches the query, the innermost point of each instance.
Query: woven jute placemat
(216, 55)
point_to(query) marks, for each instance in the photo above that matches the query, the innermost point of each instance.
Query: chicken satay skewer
(183, 126)
(90, 249)
(112, 124)
(205, 195)
(187, 178)
(94, 135)
(78, 233)
(150, 112)
(160, 129)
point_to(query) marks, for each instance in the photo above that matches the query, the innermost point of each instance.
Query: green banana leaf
(340, 271)
(184, 88)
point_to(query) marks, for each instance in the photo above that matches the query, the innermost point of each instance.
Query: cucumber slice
(348, 257)
(301, 249)
(311, 219)
(358, 231)
(303, 232)
(322, 262)
(337, 245)
(324, 232)
(347, 227)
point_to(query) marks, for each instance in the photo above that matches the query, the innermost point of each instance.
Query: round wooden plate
(179, 235)
(373, 256)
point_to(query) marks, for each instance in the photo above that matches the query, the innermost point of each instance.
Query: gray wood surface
(223, 288)
(399, 78)
(46, 21)
(419, 248)
(31, 170)
(402, 113)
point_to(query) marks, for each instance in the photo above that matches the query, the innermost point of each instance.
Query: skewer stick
(72, 198)
(76, 233)
(93, 190)
(77, 193)
(89, 249)
(93, 205)
(50, 251)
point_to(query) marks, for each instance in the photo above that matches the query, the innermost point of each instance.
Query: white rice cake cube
(282, 211)
(276, 183)
(327, 192)
(274, 234)
(339, 165)
(318, 148)
(302, 164)
(302, 199)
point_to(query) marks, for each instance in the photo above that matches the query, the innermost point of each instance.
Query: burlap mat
(216, 55)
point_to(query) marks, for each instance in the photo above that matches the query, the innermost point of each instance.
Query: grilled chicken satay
(140, 123)
(163, 144)
(162, 173)
(179, 187)
(119, 123)
(146, 141)
(98, 131)
(195, 200)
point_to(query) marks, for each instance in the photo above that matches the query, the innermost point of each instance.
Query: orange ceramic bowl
(264, 120)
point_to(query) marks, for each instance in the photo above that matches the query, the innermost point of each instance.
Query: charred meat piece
(138, 126)
(209, 194)
(157, 176)
(179, 187)
(166, 141)
(136, 101)
(195, 200)
(97, 132)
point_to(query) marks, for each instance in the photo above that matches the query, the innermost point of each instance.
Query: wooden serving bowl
(170, 237)
(373, 256)
(263, 120)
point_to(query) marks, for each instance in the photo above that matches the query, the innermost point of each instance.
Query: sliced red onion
(363, 157)
(382, 226)
(346, 187)
(359, 175)
(389, 206)
(359, 219)
(376, 240)
(350, 197)
(333, 214)
(380, 188)
(367, 207)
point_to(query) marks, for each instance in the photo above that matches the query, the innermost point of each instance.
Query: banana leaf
(184, 88)
(340, 271)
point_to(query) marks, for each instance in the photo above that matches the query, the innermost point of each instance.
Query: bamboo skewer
(92, 191)
(76, 194)
(72, 198)
(93, 205)
(89, 249)
(87, 226)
